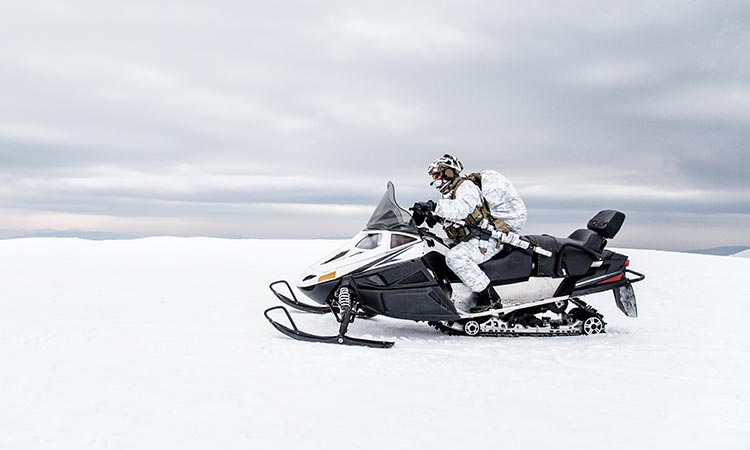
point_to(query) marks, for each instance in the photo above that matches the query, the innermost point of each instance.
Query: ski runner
(488, 201)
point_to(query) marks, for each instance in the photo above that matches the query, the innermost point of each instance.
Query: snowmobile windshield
(389, 216)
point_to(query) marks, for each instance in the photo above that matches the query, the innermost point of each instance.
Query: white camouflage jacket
(501, 195)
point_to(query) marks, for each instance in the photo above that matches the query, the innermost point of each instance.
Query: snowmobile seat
(508, 266)
(567, 258)
(545, 266)
(588, 239)
(572, 260)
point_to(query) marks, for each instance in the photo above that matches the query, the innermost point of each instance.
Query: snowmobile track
(445, 329)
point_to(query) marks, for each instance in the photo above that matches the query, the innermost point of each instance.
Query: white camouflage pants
(464, 260)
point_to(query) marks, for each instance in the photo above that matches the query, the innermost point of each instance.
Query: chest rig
(476, 217)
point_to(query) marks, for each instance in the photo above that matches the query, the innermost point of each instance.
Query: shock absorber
(344, 299)
(345, 309)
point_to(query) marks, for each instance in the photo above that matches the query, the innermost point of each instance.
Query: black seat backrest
(588, 239)
(606, 223)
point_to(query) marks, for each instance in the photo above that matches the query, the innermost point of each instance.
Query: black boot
(486, 300)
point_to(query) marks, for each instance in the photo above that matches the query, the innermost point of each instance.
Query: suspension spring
(344, 299)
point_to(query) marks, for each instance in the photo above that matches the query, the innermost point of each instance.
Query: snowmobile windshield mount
(389, 216)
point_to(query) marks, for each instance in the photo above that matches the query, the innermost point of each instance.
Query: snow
(161, 343)
(743, 254)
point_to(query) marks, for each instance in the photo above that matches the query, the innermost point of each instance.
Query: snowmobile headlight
(326, 277)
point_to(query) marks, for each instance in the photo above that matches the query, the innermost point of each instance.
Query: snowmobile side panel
(535, 289)
(435, 261)
(428, 303)
(408, 274)
(408, 290)
(596, 288)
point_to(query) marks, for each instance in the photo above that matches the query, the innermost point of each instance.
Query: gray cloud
(184, 109)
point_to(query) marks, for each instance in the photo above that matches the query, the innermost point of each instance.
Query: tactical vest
(476, 217)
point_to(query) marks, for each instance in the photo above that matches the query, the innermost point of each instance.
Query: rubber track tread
(454, 332)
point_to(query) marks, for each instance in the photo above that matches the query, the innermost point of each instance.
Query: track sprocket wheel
(471, 328)
(593, 325)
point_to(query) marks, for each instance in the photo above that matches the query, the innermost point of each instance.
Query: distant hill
(90, 235)
(743, 254)
(722, 251)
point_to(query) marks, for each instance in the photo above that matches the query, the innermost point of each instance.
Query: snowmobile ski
(346, 310)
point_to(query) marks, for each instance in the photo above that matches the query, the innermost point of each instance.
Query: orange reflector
(326, 277)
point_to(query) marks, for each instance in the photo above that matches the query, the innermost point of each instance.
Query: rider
(464, 210)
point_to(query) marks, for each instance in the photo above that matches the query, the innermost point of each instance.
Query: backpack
(501, 198)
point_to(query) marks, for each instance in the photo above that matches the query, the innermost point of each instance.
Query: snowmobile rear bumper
(607, 283)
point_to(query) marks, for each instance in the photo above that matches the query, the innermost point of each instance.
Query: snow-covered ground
(743, 254)
(161, 343)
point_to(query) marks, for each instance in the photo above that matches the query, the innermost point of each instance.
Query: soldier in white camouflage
(487, 201)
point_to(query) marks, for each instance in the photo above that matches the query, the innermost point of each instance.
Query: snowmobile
(397, 269)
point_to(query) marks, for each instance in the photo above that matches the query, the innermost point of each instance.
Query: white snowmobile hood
(367, 249)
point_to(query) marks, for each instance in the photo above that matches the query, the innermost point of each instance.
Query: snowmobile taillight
(326, 277)
(615, 278)
(627, 262)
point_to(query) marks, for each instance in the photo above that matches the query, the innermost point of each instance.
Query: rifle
(510, 238)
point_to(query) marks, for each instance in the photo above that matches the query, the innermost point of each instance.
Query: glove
(501, 226)
(424, 207)
(421, 211)
(431, 220)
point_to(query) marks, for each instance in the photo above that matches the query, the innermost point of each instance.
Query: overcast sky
(287, 118)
